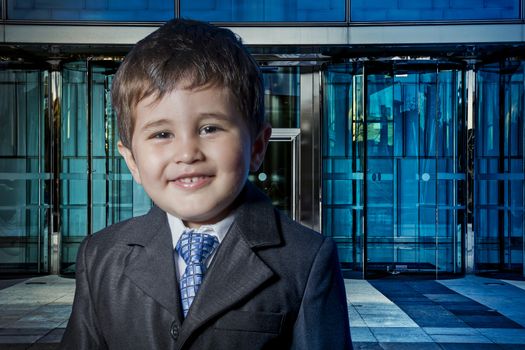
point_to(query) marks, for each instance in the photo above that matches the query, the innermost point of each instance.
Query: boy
(213, 265)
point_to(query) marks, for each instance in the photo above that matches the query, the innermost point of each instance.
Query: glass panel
(433, 10)
(275, 177)
(264, 10)
(282, 96)
(24, 178)
(73, 163)
(93, 10)
(342, 179)
(499, 166)
(114, 194)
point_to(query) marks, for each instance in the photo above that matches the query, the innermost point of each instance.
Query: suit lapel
(236, 271)
(152, 269)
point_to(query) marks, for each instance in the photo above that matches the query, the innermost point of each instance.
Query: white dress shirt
(177, 227)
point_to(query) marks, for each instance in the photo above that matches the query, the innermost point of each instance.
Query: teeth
(189, 180)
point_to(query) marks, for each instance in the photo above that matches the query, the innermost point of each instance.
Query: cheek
(233, 159)
(151, 164)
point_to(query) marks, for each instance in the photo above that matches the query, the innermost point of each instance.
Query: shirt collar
(219, 229)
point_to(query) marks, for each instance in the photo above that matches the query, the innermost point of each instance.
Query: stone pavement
(466, 313)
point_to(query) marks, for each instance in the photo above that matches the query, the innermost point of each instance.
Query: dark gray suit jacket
(273, 284)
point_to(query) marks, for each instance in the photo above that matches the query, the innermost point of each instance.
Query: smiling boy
(189, 99)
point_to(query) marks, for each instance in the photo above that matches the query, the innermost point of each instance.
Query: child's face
(192, 151)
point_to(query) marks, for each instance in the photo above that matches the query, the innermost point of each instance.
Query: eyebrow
(217, 115)
(155, 124)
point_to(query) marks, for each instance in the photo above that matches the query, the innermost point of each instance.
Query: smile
(192, 182)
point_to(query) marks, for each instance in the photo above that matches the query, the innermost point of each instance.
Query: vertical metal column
(469, 250)
(309, 162)
(55, 102)
(89, 77)
(365, 171)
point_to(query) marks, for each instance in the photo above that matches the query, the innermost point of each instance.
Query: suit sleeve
(82, 331)
(322, 321)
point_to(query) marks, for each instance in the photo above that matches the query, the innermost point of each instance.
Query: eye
(162, 135)
(208, 129)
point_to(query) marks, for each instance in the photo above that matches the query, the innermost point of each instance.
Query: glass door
(25, 175)
(414, 214)
(393, 178)
(499, 165)
(342, 164)
(96, 189)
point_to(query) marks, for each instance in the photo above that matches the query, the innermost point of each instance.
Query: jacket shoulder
(137, 230)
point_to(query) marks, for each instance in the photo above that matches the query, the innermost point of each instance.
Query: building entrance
(394, 174)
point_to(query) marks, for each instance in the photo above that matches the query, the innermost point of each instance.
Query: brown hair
(192, 53)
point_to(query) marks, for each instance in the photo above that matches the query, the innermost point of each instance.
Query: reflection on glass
(73, 162)
(24, 182)
(275, 177)
(431, 10)
(114, 10)
(114, 195)
(499, 165)
(281, 96)
(264, 10)
(411, 133)
(342, 166)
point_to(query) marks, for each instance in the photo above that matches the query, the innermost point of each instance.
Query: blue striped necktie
(194, 247)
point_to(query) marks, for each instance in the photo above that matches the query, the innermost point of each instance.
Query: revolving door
(393, 173)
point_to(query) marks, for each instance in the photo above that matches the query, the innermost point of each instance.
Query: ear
(130, 161)
(259, 147)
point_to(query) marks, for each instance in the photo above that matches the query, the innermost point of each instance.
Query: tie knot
(195, 247)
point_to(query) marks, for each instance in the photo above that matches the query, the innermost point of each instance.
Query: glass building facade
(398, 126)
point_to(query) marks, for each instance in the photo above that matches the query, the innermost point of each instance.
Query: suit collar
(257, 219)
(151, 267)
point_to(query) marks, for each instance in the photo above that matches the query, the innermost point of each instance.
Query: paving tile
(504, 336)
(496, 321)
(449, 297)
(466, 346)
(18, 339)
(432, 316)
(512, 346)
(388, 321)
(519, 284)
(410, 346)
(460, 338)
(362, 334)
(24, 331)
(400, 335)
(366, 346)
(54, 336)
(493, 293)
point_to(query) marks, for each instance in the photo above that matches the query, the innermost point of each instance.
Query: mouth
(192, 182)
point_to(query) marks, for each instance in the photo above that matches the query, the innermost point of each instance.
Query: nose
(187, 150)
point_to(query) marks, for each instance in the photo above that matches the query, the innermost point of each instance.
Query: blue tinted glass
(93, 10)
(24, 177)
(264, 10)
(342, 167)
(498, 164)
(413, 179)
(432, 10)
